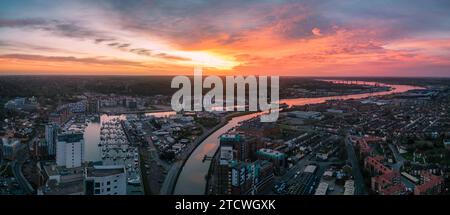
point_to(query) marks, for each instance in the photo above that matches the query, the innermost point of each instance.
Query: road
(170, 180)
(360, 188)
(152, 156)
(299, 166)
(23, 183)
(16, 167)
(399, 160)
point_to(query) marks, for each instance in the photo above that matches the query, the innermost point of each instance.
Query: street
(360, 188)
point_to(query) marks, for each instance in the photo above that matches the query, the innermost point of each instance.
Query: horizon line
(190, 75)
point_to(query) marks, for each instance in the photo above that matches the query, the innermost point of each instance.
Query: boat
(134, 181)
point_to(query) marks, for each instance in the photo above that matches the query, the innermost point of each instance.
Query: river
(191, 180)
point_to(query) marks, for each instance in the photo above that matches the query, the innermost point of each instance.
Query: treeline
(55, 86)
(67, 86)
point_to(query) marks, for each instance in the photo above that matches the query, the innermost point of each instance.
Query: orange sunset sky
(253, 37)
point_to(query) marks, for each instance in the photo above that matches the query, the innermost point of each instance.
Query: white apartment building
(105, 180)
(70, 150)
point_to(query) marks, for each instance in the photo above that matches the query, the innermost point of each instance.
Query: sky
(252, 37)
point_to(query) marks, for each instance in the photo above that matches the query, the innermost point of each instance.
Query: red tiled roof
(377, 165)
(394, 190)
(430, 182)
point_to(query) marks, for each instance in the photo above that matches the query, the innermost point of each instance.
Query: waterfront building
(243, 178)
(50, 138)
(93, 106)
(70, 150)
(105, 180)
(278, 159)
(229, 143)
(62, 181)
(242, 147)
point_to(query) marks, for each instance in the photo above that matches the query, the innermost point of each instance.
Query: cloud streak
(68, 59)
(250, 37)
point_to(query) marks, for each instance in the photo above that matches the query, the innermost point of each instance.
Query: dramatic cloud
(61, 28)
(303, 37)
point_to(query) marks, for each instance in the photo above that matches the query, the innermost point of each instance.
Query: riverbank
(198, 142)
(110, 112)
(192, 179)
(180, 164)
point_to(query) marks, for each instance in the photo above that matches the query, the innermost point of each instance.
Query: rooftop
(322, 189)
(349, 187)
(71, 188)
(71, 137)
(310, 169)
(271, 153)
(102, 171)
(429, 181)
(231, 137)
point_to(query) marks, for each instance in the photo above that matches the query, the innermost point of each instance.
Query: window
(97, 184)
(115, 180)
(108, 189)
(97, 191)
(108, 183)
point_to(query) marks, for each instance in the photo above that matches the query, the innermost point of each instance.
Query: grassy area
(432, 155)
(438, 155)
(408, 156)
(378, 150)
